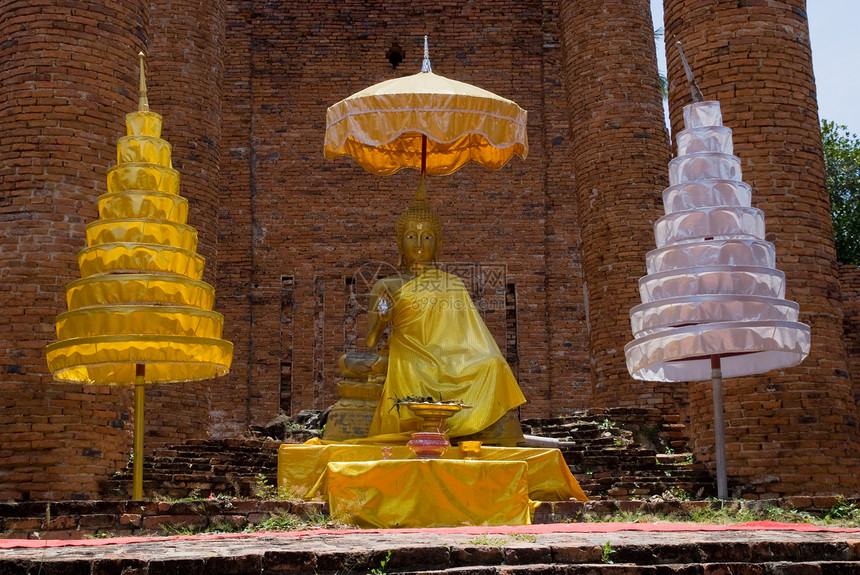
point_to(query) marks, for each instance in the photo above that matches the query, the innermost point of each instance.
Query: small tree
(842, 163)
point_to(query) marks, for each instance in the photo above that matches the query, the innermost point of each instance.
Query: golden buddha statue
(439, 346)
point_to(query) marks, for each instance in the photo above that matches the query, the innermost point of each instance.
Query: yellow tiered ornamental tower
(140, 312)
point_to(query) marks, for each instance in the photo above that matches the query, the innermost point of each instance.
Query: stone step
(605, 456)
(767, 568)
(428, 553)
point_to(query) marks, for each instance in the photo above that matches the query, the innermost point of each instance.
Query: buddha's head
(419, 234)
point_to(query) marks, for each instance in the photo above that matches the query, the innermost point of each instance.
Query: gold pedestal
(360, 390)
(432, 441)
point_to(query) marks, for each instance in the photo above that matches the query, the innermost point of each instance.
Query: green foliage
(262, 489)
(624, 517)
(278, 521)
(844, 513)
(607, 551)
(215, 527)
(281, 521)
(193, 495)
(285, 521)
(500, 541)
(318, 519)
(606, 425)
(678, 493)
(842, 164)
(179, 529)
(101, 535)
(659, 39)
(733, 512)
(220, 497)
(382, 570)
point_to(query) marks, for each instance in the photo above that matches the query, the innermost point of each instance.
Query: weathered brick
(243, 91)
(761, 71)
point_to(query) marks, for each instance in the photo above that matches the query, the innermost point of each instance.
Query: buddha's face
(419, 243)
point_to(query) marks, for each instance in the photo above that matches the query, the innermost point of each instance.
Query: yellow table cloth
(302, 468)
(428, 493)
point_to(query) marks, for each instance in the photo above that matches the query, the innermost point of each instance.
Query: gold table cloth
(302, 468)
(428, 493)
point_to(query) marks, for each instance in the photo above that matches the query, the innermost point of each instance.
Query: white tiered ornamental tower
(712, 296)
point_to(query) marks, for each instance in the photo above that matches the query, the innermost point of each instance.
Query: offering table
(316, 471)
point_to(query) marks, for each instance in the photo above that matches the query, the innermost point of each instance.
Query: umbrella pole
(422, 189)
(719, 427)
(137, 482)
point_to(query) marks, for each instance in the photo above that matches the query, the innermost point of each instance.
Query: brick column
(185, 74)
(620, 155)
(67, 77)
(792, 431)
(187, 67)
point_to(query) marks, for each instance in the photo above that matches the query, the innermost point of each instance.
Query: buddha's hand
(384, 306)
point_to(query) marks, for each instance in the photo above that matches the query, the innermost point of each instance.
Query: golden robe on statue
(440, 347)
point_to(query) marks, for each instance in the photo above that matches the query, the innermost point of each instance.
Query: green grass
(525, 537)
(843, 514)
(280, 521)
(487, 540)
(502, 540)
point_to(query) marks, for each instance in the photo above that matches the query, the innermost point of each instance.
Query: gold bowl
(470, 449)
(433, 415)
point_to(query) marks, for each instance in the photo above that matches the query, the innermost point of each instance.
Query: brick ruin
(552, 246)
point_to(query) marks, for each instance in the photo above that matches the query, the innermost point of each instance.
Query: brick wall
(61, 110)
(792, 431)
(185, 70)
(620, 154)
(569, 363)
(243, 89)
(849, 279)
(69, 77)
(234, 291)
(315, 222)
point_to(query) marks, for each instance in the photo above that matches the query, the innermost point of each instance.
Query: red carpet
(470, 530)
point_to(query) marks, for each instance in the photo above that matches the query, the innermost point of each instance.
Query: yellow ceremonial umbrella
(140, 313)
(427, 122)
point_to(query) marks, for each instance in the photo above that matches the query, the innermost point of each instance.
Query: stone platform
(615, 454)
(570, 549)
